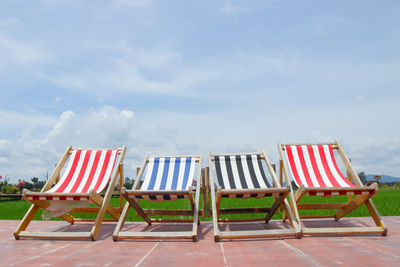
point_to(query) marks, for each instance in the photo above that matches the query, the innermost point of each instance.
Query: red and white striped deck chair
(86, 175)
(242, 176)
(315, 171)
(165, 179)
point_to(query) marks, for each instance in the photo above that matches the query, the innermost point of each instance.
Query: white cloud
(106, 127)
(246, 128)
(126, 72)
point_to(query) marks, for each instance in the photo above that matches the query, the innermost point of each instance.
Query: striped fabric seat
(86, 170)
(241, 172)
(167, 174)
(314, 166)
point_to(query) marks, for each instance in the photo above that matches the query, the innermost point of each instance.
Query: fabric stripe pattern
(172, 173)
(315, 166)
(86, 170)
(241, 172)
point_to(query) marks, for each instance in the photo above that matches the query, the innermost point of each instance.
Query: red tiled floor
(309, 251)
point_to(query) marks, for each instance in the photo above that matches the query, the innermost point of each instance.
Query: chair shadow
(106, 230)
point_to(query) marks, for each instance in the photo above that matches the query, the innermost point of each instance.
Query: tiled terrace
(309, 251)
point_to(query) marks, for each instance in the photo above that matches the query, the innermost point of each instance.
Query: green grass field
(386, 201)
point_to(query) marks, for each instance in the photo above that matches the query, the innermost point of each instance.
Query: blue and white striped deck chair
(165, 179)
(243, 176)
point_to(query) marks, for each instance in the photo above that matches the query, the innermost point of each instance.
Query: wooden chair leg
(121, 221)
(375, 215)
(294, 199)
(293, 220)
(196, 211)
(98, 200)
(26, 220)
(352, 205)
(137, 208)
(275, 207)
(214, 213)
(218, 202)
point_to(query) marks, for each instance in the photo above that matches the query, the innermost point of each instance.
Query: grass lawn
(386, 201)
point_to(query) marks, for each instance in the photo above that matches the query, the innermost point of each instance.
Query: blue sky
(195, 77)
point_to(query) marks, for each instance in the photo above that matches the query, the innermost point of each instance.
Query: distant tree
(40, 184)
(128, 183)
(4, 183)
(34, 182)
(363, 177)
(29, 186)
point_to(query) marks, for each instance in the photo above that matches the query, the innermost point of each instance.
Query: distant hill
(384, 178)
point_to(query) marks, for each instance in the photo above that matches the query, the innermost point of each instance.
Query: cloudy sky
(170, 77)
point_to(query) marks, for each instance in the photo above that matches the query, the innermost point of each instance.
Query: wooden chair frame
(129, 195)
(280, 201)
(342, 208)
(96, 198)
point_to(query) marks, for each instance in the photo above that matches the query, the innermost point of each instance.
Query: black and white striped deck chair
(165, 179)
(243, 176)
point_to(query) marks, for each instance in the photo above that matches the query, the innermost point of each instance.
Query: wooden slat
(155, 235)
(56, 235)
(132, 193)
(256, 233)
(345, 189)
(235, 154)
(119, 149)
(27, 193)
(255, 191)
(334, 145)
(342, 230)
(312, 206)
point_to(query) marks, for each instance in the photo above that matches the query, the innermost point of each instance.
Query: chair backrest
(86, 170)
(315, 166)
(169, 173)
(240, 171)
